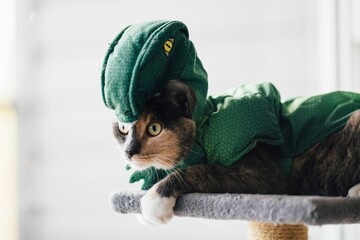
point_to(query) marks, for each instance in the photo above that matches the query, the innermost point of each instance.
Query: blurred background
(58, 159)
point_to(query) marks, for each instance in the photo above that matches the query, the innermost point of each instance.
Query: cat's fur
(330, 168)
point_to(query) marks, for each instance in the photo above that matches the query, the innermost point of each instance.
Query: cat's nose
(131, 153)
(132, 150)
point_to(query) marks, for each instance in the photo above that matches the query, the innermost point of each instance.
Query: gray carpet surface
(310, 210)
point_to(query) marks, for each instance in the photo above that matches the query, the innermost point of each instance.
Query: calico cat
(165, 132)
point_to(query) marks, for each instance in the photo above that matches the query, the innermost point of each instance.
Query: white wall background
(69, 162)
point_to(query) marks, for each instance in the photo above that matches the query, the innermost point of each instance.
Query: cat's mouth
(151, 160)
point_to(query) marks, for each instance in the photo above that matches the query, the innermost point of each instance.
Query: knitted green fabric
(143, 57)
(238, 119)
(244, 116)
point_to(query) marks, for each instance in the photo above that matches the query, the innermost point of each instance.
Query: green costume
(143, 57)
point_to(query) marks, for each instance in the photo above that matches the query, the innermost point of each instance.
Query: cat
(165, 132)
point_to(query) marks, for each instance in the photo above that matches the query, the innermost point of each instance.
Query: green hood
(141, 59)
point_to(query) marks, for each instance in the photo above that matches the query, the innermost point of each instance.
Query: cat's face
(163, 134)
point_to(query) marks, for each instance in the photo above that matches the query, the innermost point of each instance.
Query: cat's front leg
(255, 173)
(158, 203)
(157, 209)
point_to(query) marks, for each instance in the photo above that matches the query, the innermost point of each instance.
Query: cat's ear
(179, 96)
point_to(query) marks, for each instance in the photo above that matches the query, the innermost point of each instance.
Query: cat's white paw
(157, 210)
(141, 219)
(354, 191)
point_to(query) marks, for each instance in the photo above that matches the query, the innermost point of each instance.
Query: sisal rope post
(269, 231)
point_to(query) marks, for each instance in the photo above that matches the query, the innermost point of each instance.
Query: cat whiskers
(179, 177)
(168, 163)
(191, 150)
(175, 173)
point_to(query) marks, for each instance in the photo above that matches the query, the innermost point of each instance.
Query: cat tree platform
(271, 216)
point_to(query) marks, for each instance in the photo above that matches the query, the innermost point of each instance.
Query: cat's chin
(159, 166)
(141, 166)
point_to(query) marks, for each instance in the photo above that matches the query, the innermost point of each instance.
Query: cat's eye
(154, 129)
(124, 130)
